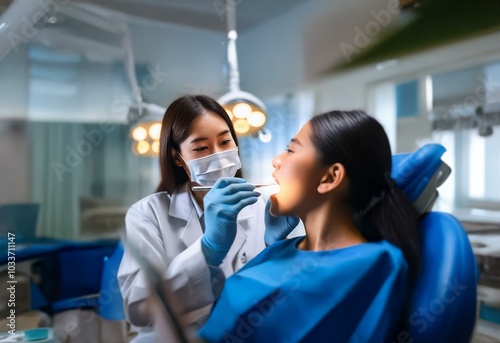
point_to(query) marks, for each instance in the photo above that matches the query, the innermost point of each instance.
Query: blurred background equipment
(20, 220)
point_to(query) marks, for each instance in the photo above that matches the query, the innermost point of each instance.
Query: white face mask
(207, 170)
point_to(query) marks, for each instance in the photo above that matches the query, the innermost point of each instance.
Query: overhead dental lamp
(146, 130)
(247, 112)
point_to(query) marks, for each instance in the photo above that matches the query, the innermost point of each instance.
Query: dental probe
(207, 188)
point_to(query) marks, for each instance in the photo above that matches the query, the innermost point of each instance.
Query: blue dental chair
(442, 305)
(110, 298)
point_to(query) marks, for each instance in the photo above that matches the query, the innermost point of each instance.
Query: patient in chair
(347, 279)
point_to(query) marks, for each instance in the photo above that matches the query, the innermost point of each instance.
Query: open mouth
(275, 188)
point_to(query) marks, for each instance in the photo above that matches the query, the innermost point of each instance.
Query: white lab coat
(167, 231)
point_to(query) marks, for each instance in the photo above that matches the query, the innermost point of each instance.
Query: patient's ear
(334, 177)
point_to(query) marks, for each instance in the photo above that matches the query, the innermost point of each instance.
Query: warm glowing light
(229, 113)
(241, 126)
(274, 189)
(155, 146)
(155, 131)
(248, 116)
(146, 135)
(139, 134)
(242, 110)
(142, 147)
(256, 119)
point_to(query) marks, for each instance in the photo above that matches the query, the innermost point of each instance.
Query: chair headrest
(420, 173)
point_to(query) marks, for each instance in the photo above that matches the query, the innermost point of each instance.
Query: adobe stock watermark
(110, 290)
(363, 36)
(470, 113)
(255, 318)
(93, 138)
(48, 9)
(72, 327)
(483, 90)
(428, 313)
(262, 310)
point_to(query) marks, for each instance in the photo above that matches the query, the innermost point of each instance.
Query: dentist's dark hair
(359, 142)
(175, 127)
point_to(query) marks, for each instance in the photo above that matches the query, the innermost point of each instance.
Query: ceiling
(207, 14)
(309, 34)
(97, 39)
(429, 29)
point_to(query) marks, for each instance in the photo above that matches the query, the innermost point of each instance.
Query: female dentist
(192, 236)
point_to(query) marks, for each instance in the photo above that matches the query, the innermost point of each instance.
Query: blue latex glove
(222, 204)
(277, 228)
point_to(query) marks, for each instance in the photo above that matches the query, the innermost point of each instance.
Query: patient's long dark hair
(360, 144)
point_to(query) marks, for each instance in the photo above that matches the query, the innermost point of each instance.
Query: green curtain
(75, 161)
(58, 177)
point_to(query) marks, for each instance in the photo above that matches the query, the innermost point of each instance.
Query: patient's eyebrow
(296, 141)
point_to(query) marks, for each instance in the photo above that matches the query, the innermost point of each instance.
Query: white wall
(194, 59)
(179, 59)
(14, 85)
(301, 45)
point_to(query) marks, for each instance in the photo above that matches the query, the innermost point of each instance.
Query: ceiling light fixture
(247, 112)
(145, 118)
(146, 130)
